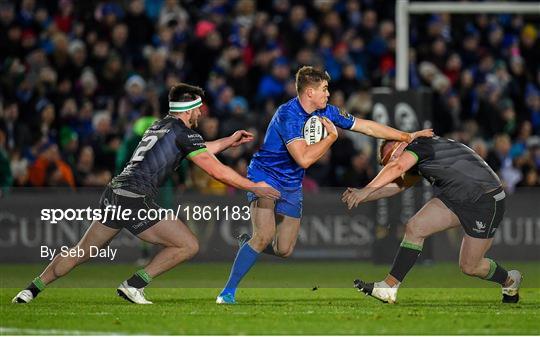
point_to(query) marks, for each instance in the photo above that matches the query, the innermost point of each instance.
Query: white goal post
(404, 9)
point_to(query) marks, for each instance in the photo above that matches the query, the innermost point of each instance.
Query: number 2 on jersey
(145, 145)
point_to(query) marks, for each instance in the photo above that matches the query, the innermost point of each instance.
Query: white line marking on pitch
(6, 330)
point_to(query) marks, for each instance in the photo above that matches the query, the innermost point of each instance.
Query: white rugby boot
(379, 290)
(131, 294)
(511, 293)
(24, 296)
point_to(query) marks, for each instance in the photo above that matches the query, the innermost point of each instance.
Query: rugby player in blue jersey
(282, 161)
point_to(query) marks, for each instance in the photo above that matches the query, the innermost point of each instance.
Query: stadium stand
(78, 79)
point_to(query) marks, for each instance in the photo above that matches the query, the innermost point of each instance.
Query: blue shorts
(290, 203)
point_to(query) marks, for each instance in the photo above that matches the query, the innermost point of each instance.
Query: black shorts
(123, 202)
(481, 218)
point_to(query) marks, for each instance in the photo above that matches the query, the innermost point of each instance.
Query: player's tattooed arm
(236, 139)
(306, 155)
(377, 130)
(391, 180)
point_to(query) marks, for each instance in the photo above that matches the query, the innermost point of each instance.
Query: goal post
(404, 9)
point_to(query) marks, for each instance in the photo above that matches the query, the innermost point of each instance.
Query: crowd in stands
(80, 81)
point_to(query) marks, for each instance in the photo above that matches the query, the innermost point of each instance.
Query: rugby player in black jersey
(467, 193)
(163, 146)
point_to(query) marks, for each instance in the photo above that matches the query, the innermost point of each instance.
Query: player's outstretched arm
(236, 139)
(390, 178)
(377, 130)
(211, 165)
(391, 189)
(305, 155)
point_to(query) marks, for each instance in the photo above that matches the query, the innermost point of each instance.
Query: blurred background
(82, 80)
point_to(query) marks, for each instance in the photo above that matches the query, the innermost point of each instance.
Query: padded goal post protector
(409, 110)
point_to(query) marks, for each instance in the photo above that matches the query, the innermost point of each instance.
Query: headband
(185, 106)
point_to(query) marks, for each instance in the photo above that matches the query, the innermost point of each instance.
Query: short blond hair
(309, 76)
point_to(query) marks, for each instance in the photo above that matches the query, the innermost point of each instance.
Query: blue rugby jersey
(286, 126)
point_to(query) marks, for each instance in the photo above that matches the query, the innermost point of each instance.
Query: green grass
(277, 299)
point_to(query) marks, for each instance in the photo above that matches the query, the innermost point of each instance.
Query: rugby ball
(314, 131)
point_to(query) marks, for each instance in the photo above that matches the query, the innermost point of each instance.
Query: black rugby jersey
(454, 170)
(158, 154)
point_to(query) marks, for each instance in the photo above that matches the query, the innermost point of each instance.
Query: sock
(245, 259)
(496, 273)
(405, 259)
(36, 286)
(140, 279)
(268, 250)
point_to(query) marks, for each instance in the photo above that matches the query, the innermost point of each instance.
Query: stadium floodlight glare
(404, 8)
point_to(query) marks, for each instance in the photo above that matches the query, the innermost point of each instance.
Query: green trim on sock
(39, 283)
(492, 267)
(411, 246)
(144, 275)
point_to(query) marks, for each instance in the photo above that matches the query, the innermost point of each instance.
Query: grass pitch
(277, 298)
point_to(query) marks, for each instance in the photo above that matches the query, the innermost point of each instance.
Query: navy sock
(140, 279)
(36, 286)
(269, 250)
(405, 259)
(245, 259)
(496, 273)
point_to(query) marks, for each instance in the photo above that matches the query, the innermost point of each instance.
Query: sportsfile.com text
(112, 212)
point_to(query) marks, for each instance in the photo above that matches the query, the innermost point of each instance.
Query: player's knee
(413, 231)
(468, 267)
(284, 250)
(265, 203)
(82, 256)
(259, 241)
(284, 253)
(192, 247)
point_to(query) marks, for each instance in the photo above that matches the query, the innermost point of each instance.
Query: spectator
(104, 143)
(19, 169)
(520, 144)
(480, 147)
(273, 86)
(49, 169)
(499, 159)
(360, 173)
(16, 134)
(6, 179)
(532, 98)
(132, 103)
(83, 74)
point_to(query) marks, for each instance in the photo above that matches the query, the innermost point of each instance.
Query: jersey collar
(176, 119)
(300, 108)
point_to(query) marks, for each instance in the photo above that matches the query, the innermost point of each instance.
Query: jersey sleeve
(340, 117)
(421, 149)
(190, 143)
(289, 127)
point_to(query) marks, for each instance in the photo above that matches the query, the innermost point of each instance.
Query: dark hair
(183, 92)
(309, 76)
